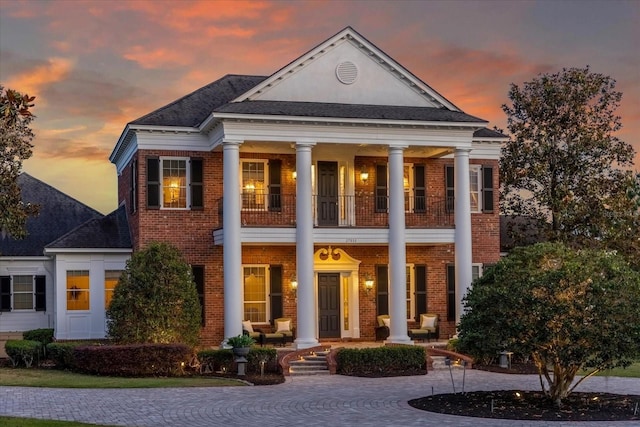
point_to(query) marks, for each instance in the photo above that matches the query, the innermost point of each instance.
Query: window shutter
(451, 292)
(5, 293)
(419, 189)
(421, 290)
(382, 279)
(41, 293)
(487, 189)
(198, 279)
(197, 195)
(275, 179)
(153, 183)
(133, 197)
(275, 291)
(381, 188)
(450, 190)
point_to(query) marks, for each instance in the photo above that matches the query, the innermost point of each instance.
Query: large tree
(563, 168)
(15, 147)
(155, 300)
(568, 309)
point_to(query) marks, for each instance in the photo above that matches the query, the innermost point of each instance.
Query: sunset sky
(94, 66)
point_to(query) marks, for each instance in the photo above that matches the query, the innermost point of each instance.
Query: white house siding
(84, 324)
(25, 320)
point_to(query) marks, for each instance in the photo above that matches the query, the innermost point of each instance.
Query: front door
(327, 193)
(329, 305)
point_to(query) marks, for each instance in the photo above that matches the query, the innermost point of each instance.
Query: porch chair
(284, 333)
(428, 328)
(382, 328)
(248, 329)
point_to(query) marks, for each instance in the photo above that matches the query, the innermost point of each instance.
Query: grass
(63, 379)
(632, 371)
(33, 422)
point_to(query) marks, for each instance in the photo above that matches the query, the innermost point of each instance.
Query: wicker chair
(382, 328)
(428, 328)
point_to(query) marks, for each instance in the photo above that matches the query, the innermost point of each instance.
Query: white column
(232, 246)
(397, 249)
(306, 328)
(463, 227)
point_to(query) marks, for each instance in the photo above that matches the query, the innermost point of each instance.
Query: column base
(301, 344)
(399, 340)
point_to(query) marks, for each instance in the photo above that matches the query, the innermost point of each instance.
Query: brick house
(338, 188)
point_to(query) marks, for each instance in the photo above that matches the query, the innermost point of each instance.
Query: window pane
(407, 187)
(253, 185)
(22, 292)
(174, 183)
(409, 292)
(255, 294)
(111, 278)
(78, 290)
(474, 188)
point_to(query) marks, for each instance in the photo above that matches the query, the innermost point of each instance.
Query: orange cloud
(32, 81)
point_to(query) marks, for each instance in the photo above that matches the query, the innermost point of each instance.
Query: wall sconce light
(364, 174)
(368, 283)
(294, 284)
(294, 174)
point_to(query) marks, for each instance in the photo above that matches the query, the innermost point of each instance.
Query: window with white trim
(23, 295)
(23, 292)
(475, 187)
(410, 294)
(253, 179)
(476, 271)
(174, 178)
(111, 278)
(255, 293)
(78, 290)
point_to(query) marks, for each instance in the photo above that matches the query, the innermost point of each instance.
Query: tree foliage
(15, 147)
(563, 168)
(568, 309)
(156, 300)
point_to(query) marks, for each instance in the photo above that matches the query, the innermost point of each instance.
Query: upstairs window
(413, 182)
(260, 182)
(480, 188)
(174, 183)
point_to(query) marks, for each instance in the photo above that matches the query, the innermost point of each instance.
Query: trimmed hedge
(23, 352)
(44, 335)
(61, 353)
(382, 361)
(223, 359)
(132, 360)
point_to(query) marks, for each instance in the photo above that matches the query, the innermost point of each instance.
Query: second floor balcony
(345, 211)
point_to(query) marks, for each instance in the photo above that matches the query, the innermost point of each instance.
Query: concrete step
(314, 364)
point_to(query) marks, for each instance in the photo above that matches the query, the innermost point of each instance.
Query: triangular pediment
(347, 69)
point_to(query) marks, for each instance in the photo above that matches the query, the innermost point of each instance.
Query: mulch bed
(533, 405)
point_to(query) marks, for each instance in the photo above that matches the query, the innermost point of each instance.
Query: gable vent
(347, 72)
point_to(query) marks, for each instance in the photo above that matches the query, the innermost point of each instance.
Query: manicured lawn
(63, 379)
(32, 422)
(632, 371)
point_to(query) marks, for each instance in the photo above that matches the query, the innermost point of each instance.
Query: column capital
(226, 142)
(462, 151)
(305, 143)
(398, 147)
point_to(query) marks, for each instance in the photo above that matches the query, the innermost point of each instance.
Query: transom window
(255, 293)
(254, 185)
(77, 290)
(174, 183)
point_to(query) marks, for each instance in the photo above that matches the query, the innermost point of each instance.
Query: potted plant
(241, 344)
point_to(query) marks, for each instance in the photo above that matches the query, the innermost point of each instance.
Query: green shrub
(44, 336)
(132, 360)
(23, 352)
(382, 361)
(156, 300)
(216, 360)
(61, 353)
(452, 344)
(257, 355)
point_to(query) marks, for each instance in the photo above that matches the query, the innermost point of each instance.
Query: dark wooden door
(329, 305)
(327, 193)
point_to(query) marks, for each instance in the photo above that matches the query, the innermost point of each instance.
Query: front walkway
(309, 401)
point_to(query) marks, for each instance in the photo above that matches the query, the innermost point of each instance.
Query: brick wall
(191, 232)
